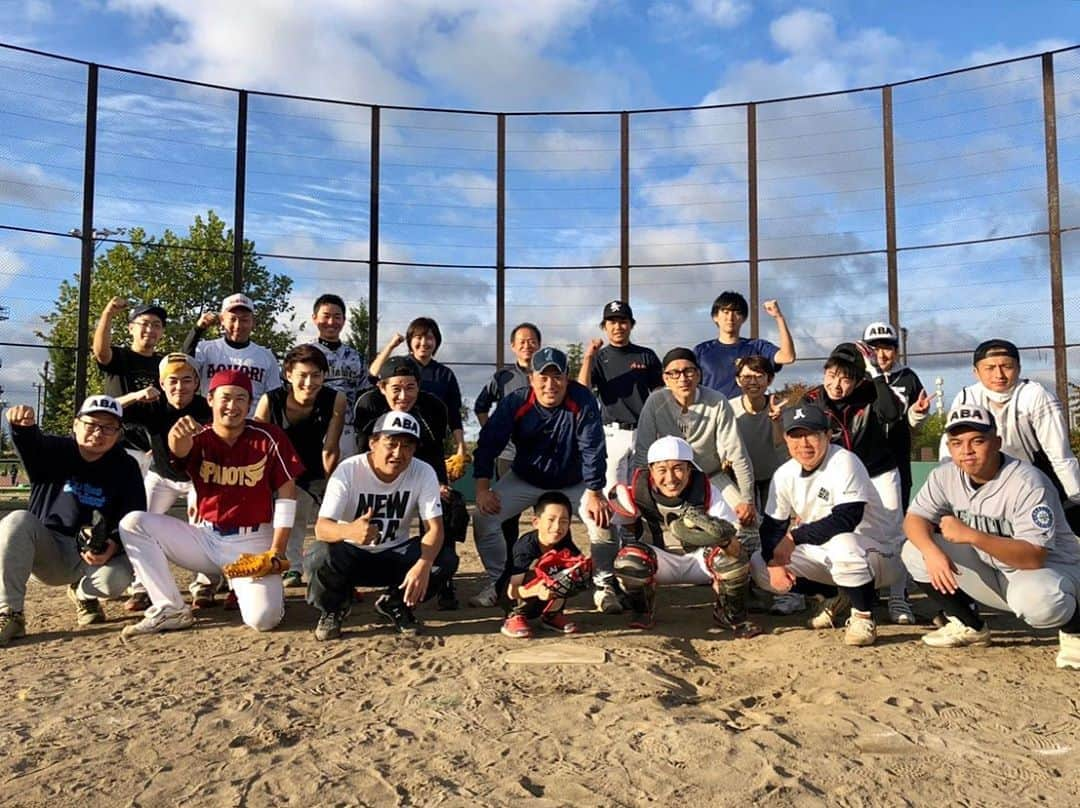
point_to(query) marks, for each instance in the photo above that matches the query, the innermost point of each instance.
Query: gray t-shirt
(1019, 503)
(756, 431)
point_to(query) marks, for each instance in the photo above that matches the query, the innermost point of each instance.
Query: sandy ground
(221, 715)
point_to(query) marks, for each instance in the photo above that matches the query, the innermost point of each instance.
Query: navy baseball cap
(805, 416)
(970, 416)
(147, 308)
(547, 358)
(618, 310)
(995, 347)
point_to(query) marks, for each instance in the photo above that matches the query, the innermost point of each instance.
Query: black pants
(334, 569)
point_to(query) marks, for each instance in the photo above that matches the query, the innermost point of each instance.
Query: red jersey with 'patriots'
(235, 484)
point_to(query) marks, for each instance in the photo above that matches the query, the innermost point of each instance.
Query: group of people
(683, 469)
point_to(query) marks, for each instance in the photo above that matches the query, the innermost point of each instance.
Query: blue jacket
(556, 448)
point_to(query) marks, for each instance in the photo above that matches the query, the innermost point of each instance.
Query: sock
(959, 605)
(862, 597)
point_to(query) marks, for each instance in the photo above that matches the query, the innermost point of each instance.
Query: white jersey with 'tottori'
(255, 361)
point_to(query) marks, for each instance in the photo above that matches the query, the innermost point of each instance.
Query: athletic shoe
(329, 625)
(168, 619)
(485, 598)
(788, 603)
(399, 614)
(956, 634)
(607, 600)
(231, 604)
(860, 629)
(447, 598)
(1068, 650)
(138, 602)
(204, 597)
(559, 623)
(292, 578)
(832, 609)
(900, 611)
(12, 626)
(87, 612)
(516, 626)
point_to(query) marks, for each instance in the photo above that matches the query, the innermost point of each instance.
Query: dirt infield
(221, 715)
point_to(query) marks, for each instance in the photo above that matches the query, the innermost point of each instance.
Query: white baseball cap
(396, 423)
(105, 404)
(237, 301)
(971, 416)
(880, 332)
(671, 447)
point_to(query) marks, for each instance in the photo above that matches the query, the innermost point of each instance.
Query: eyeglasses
(751, 379)
(685, 373)
(148, 325)
(93, 426)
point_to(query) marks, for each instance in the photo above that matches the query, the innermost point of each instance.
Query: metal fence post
(500, 240)
(752, 215)
(1053, 226)
(82, 336)
(624, 206)
(239, 190)
(890, 204)
(373, 239)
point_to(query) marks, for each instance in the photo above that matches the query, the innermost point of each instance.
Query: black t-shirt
(65, 489)
(309, 435)
(527, 549)
(438, 380)
(128, 372)
(159, 417)
(623, 377)
(428, 411)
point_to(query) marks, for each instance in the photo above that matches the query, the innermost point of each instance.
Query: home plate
(564, 653)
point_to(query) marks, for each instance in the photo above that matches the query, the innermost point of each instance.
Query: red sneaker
(231, 603)
(558, 622)
(516, 626)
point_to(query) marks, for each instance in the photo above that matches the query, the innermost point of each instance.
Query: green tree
(188, 275)
(928, 435)
(359, 320)
(575, 355)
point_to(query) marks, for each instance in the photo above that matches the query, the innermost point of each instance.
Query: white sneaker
(900, 611)
(166, 620)
(1068, 650)
(788, 603)
(831, 611)
(861, 629)
(955, 634)
(485, 598)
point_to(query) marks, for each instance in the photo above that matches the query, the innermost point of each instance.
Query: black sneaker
(448, 600)
(329, 625)
(399, 614)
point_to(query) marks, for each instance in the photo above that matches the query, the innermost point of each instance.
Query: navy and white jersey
(348, 372)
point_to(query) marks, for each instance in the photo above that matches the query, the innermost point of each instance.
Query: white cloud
(803, 31)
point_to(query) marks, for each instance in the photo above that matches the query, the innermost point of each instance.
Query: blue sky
(969, 157)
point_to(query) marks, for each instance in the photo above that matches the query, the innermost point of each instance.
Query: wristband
(284, 513)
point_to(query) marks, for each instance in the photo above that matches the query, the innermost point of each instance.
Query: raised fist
(207, 320)
(594, 346)
(397, 339)
(150, 394)
(186, 427)
(21, 415)
(772, 308)
(115, 306)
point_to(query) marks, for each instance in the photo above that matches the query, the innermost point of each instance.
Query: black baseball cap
(970, 416)
(805, 416)
(618, 310)
(995, 347)
(679, 353)
(399, 366)
(147, 308)
(548, 358)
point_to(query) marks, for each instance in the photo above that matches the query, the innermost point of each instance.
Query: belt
(618, 425)
(225, 530)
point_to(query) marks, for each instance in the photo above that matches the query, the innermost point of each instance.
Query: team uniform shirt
(808, 497)
(160, 416)
(756, 432)
(1018, 503)
(255, 361)
(65, 489)
(128, 372)
(557, 447)
(353, 489)
(348, 372)
(717, 361)
(658, 511)
(308, 435)
(527, 549)
(505, 380)
(430, 415)
(623, 377)
(438, 380)
(1032, 427)
(235, 485)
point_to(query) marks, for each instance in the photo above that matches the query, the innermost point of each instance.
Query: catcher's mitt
(564, 574)
(695, 528)
(455, 517)
(455, 466)
(251, 565)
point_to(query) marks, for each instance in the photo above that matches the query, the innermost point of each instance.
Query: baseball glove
(455, 517)
(251, 565)
(564, 574)
(455, 466)
(694, 528)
